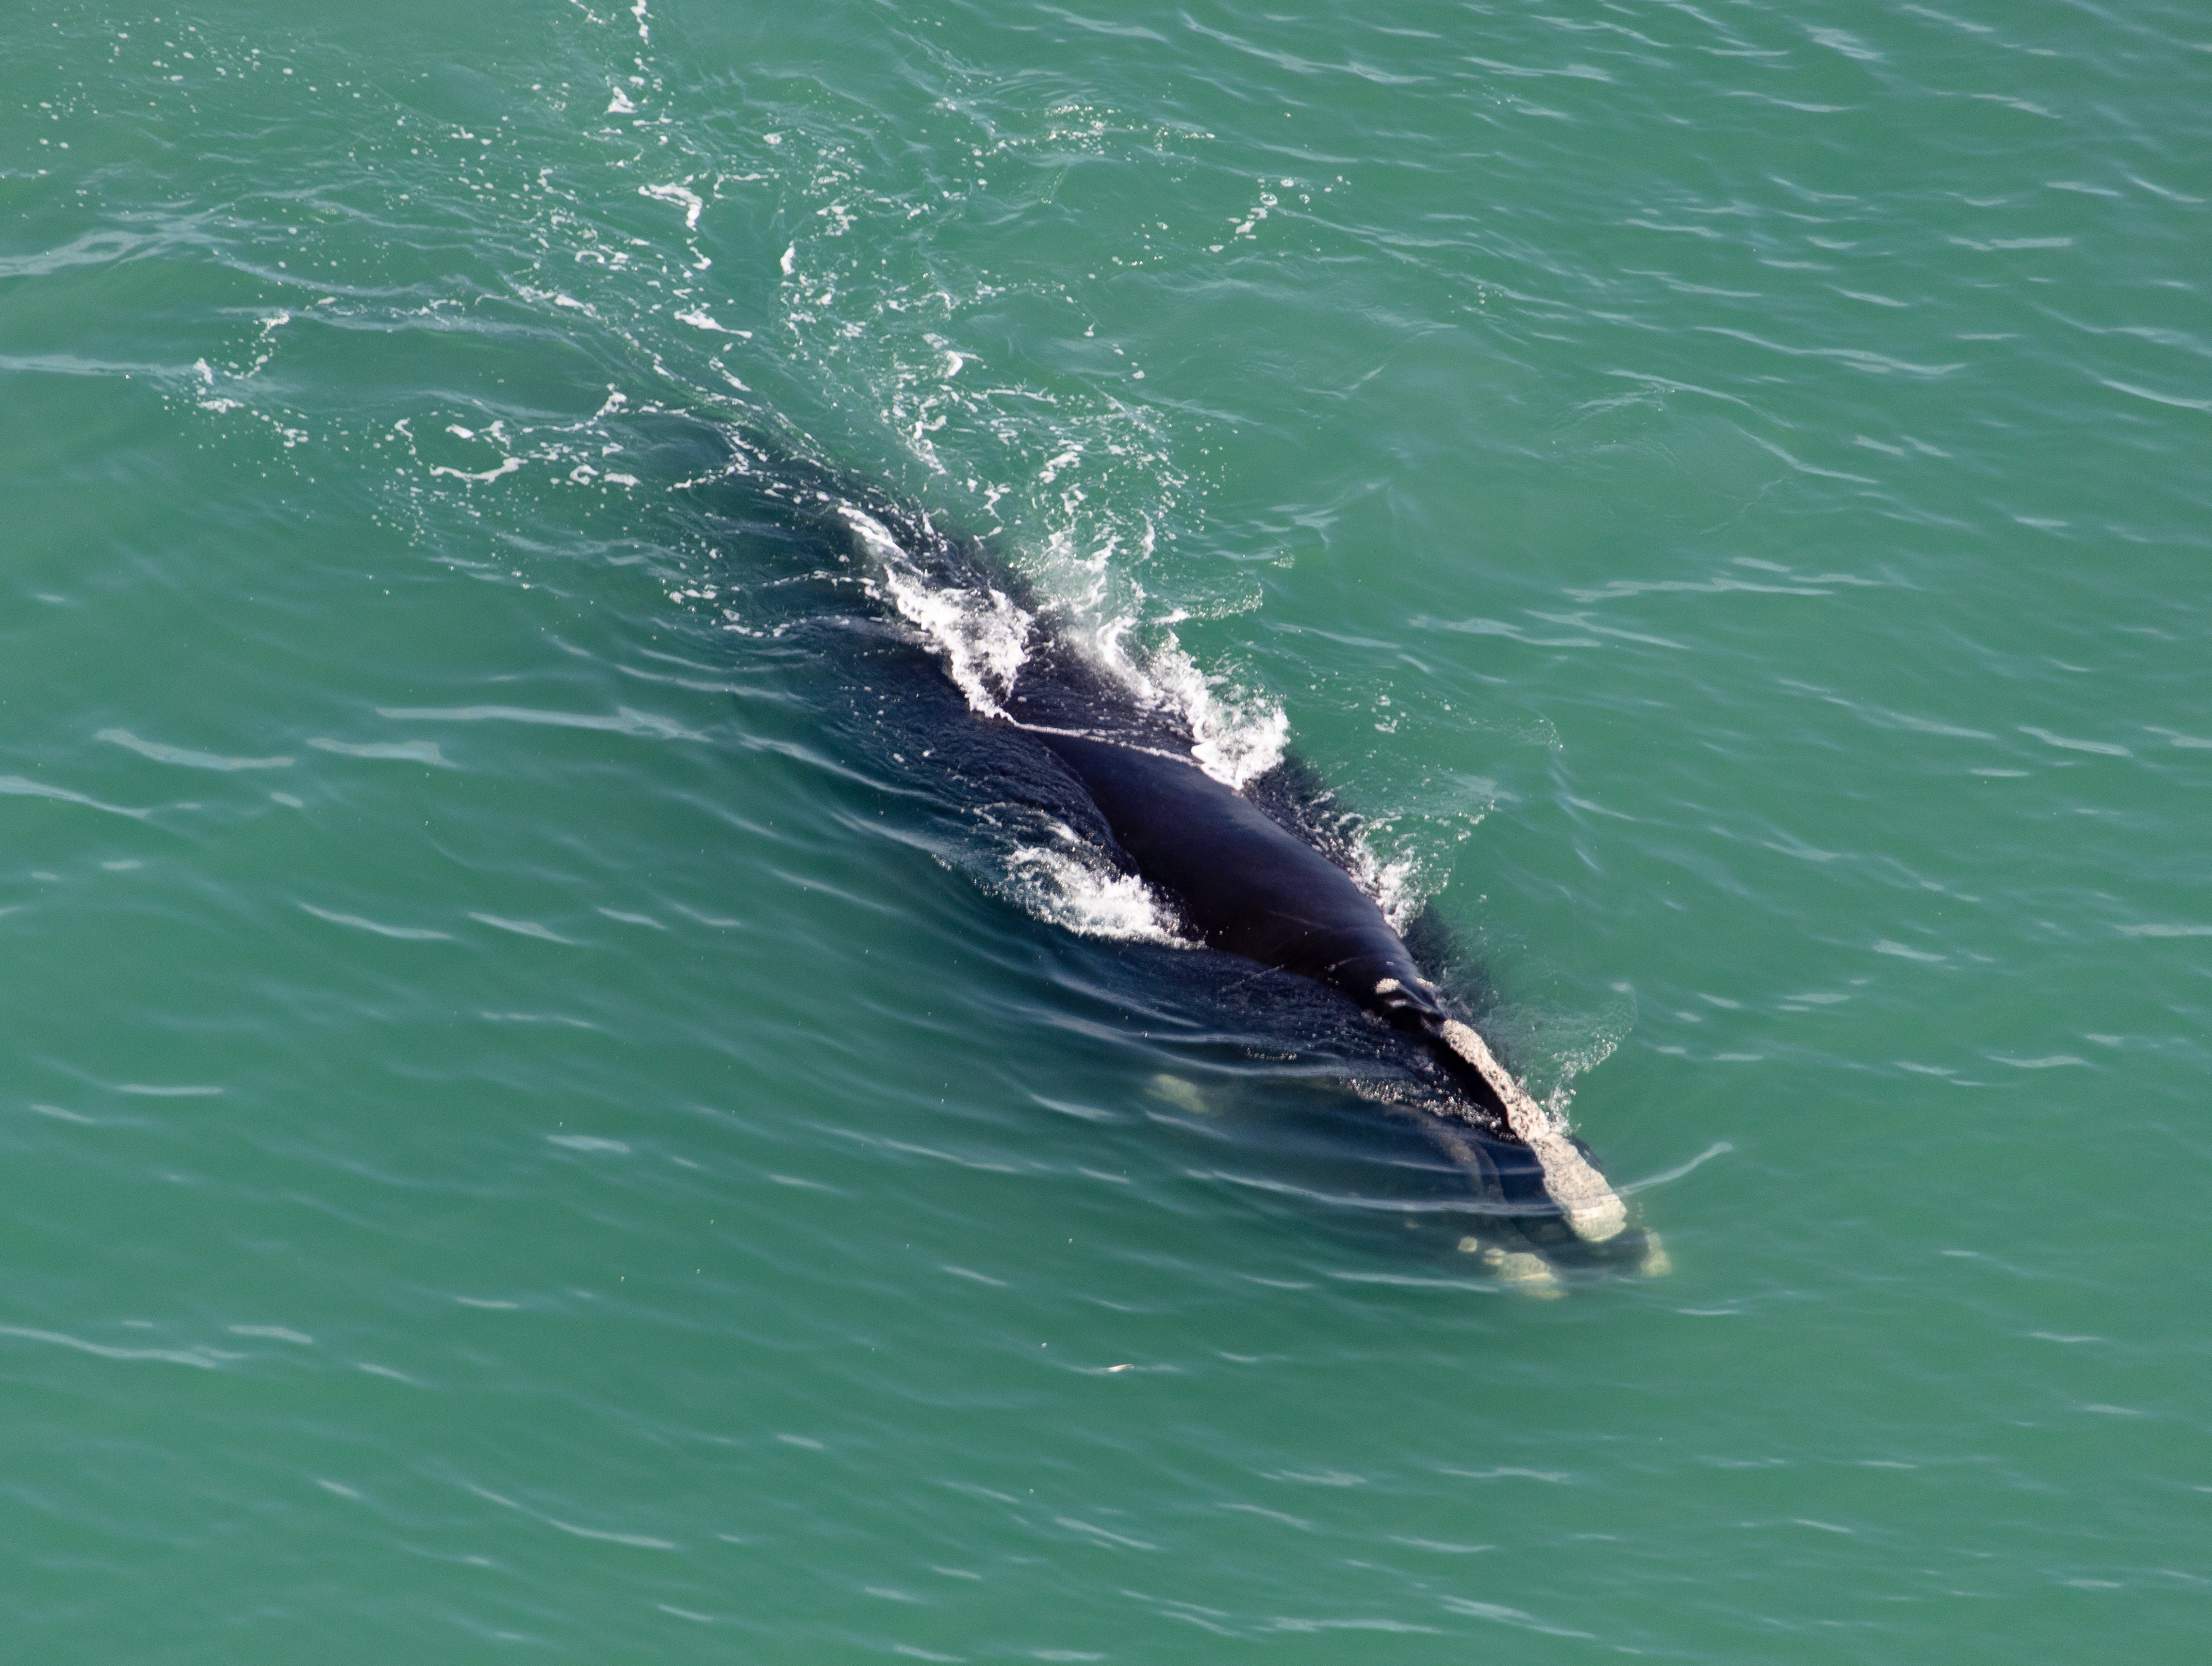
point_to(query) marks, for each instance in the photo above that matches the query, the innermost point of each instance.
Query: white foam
(508, 467)
(1236, 740)
(983, 636)
(1236, 737)
(985, 639)
(688, 200)
(1073, 890)
(1395, 884)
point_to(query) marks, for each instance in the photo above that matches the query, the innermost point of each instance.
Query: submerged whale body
(1043, 719)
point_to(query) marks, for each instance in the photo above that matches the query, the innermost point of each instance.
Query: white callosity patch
(1516, 1269)
(1592, 1209)
(1182, 1094)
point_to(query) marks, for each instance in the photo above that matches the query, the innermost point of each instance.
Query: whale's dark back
(1245, 884)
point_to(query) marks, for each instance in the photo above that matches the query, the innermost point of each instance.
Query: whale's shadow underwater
(1027, 732)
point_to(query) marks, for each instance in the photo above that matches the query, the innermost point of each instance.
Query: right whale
(1245, 883)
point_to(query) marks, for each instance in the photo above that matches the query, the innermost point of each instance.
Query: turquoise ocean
(526, 1137)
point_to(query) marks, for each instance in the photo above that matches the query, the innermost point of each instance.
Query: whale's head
(1521, 1214)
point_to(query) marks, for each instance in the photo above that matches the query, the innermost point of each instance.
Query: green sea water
(520, 1142)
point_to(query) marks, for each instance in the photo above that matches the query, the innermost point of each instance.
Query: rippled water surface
(533, 1125)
